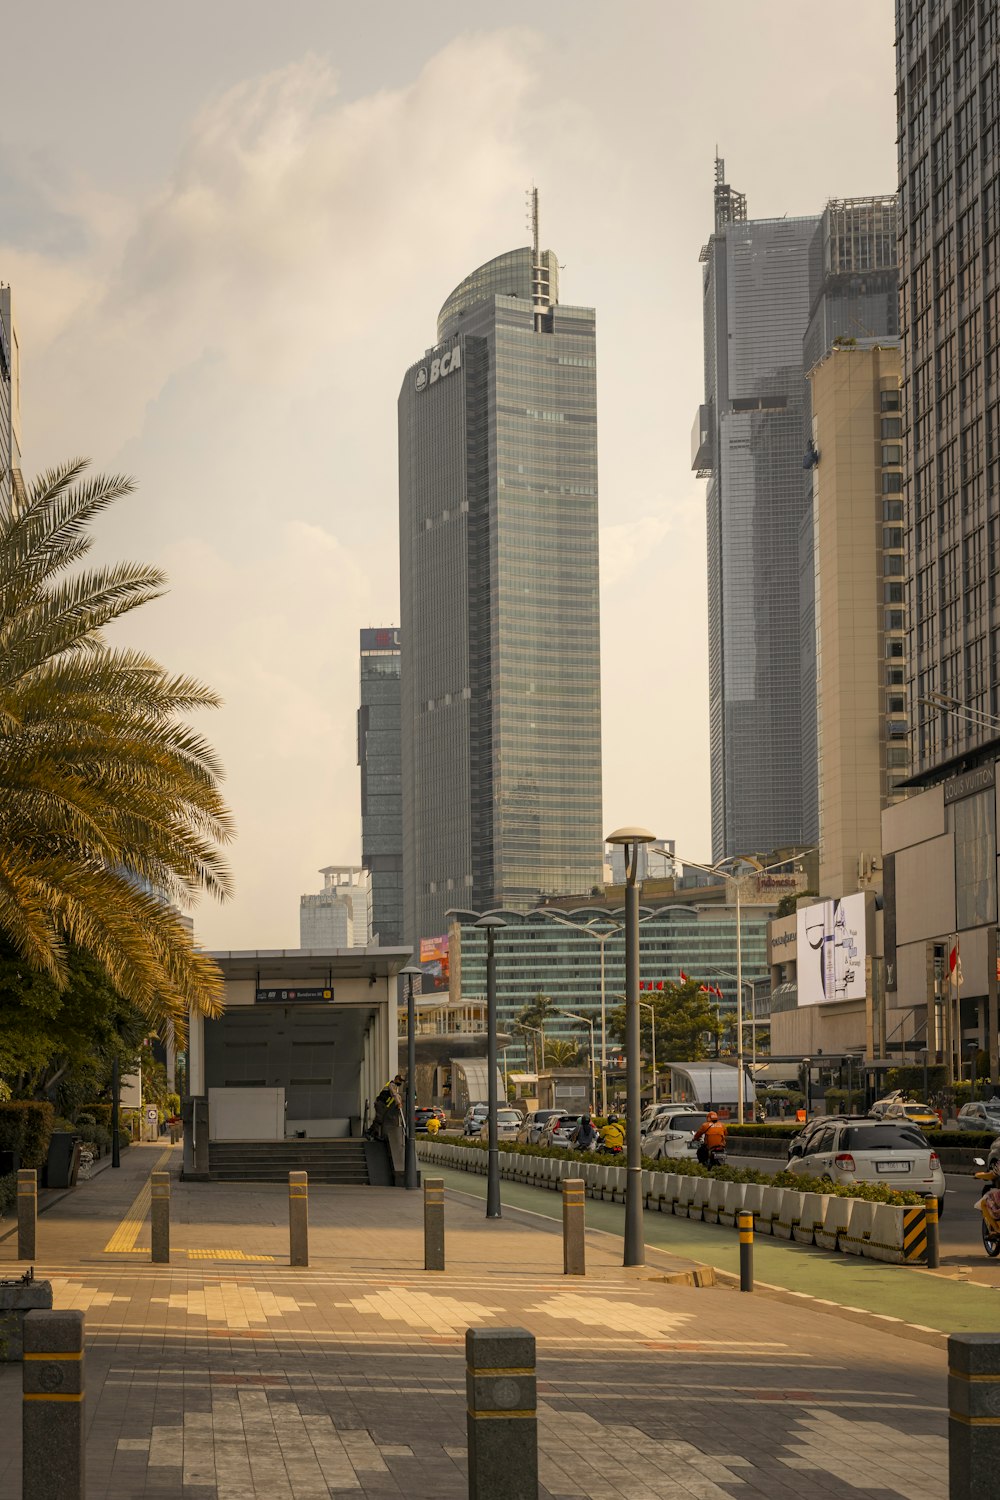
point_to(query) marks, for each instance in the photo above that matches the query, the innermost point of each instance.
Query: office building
(559, 955)
(855, 278)
(860, 607)
(338, 916)
(10, 400)
(381, 781)
(501, 730)
(948, 107)
(749, 438)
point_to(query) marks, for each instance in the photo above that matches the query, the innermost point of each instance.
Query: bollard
(933, 1233)
(433, 1223)
(974, 1404)
(160, 1185)
(298, 1218)
(52, 1417)
(502, 1419)
(27, 1214)
(746, 1250)
(574, 1249)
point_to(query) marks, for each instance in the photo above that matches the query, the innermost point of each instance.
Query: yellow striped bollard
(746, 1250)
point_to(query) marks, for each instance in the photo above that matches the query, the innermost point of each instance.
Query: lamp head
(412, 969)
(490, 920)
(631, 836)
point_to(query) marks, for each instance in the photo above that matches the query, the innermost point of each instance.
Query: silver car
(980, 1115)
(558, 1129)
(844, 1150)
(532, 1126)
(508, 1124)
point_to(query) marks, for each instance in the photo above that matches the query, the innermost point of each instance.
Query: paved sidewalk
(227, 1377)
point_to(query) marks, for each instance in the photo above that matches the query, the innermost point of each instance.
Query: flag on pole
(684, 978)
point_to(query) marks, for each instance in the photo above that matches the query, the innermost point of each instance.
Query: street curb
(882, 1322)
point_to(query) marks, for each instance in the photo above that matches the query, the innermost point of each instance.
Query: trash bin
(63, 1161)
(10, 1162)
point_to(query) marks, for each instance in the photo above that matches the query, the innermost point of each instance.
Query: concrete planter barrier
(657, 1191)
(856, 1239)
(683, 1203)
(716, 1201)
(836, 1222)
(753, 1198)
(733, 1201)
(700, 1202)
(887, 1241)
(789, 1214)
(770, 1208)
(812, 1216)
(671, 1192)
(617, 1177)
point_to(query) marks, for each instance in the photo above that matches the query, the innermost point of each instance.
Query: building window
(974, 823)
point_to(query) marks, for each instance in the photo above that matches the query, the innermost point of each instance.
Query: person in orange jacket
(710, 1137)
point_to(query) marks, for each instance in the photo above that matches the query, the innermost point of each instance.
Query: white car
(508, 1124)
(673, 1133)
(652, 1113)
(844, 1150)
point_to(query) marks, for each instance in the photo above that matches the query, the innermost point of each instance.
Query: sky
(229, 226)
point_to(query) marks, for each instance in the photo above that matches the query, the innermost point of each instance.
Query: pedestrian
(387, 1100)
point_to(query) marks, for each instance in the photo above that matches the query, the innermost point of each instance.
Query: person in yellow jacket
(433, 1125)
(613, 1135)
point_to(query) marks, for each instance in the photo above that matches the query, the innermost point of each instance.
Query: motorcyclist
(585, 1134)
(613, 1134)
(711, 1137)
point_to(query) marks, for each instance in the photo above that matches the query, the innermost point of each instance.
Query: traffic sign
(151, 1114)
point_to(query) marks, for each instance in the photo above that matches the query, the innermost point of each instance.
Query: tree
(531, 1020)
(59, 1042)
(560, 1053)
(788, 905)
(686, 1020)
(110, 809)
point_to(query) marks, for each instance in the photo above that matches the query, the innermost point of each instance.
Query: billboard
(434, 962)
(830, 950)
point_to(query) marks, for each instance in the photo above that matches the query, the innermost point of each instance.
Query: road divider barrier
(828, 1221)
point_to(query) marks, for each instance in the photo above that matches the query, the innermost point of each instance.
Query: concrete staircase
(342, 1161)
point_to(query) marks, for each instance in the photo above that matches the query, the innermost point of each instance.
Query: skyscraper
(749, 440)
(381, 781)
(948, 108)
(501, 734)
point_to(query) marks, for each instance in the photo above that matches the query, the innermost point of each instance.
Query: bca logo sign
(438, 368)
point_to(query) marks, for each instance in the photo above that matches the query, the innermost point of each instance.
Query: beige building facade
(858, 555)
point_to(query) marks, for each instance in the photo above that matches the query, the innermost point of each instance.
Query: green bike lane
(922, 1298)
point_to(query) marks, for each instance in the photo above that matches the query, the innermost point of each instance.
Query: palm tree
(531, 1020)
(110, 810)
(560, 1053)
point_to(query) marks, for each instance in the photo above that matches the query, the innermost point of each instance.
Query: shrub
(8, 1193)
(26, 1128)
(101, 1114)
(872, 1192)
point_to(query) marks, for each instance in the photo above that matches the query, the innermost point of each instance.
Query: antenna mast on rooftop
(541, 293)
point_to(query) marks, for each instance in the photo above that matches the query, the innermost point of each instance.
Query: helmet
(712, 1115)
(614, 1119)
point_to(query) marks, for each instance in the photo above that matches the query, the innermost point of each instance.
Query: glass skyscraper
(501, 736)
(381, 782)
(948, 113)
(749, 441)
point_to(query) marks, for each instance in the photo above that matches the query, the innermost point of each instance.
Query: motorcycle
(711, 1156)
(989, 1207)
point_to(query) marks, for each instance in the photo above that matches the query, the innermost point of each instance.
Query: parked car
(920, 1115)
(881, 1105)
(474, 1117)
(532, 1124)
(843, 1148)
(508, 1124)
(422, 1113)
(557, 1130)
(982, 1114)
(673, 1134)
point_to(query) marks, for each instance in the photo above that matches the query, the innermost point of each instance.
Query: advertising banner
(434, 962)
(831, 950)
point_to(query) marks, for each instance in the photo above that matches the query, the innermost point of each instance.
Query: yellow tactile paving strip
(122, 1242)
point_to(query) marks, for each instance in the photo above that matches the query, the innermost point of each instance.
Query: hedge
(872, 1192)
(25, 1128)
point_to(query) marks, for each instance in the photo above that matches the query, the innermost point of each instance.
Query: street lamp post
(491, 923)
(410, 1179)
(645, 1005)
(593, 1061)
(635, 1250)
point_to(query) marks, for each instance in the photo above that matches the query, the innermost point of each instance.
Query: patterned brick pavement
(235, 1378)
